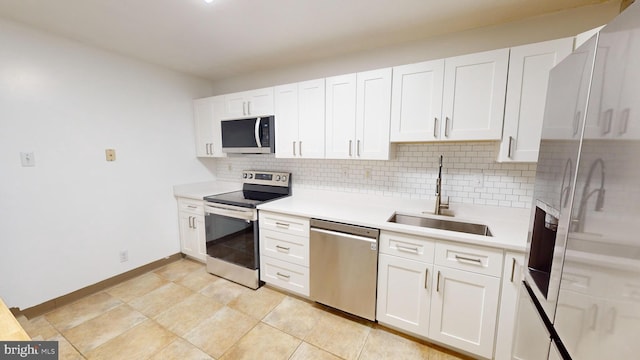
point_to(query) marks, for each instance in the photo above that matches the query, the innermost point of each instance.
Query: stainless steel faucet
(439, 204)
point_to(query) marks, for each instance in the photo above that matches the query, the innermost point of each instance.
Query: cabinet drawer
(283, 246)
(292, 277)
(191, 206)
(293, 225)
(407, 246)
(476, 259)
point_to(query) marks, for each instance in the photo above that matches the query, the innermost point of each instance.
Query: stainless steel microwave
(249, 136)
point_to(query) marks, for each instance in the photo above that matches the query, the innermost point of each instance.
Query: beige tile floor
(181, 312)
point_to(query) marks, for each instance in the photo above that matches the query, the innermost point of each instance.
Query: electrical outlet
(367, 173)
(478, 180)
(110, 154)
(344, 171)
(229, 167)
(124, 256)
(27, 159)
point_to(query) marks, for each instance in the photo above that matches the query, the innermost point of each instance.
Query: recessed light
(208, 1)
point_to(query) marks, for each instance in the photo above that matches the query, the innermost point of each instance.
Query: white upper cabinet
(416, 105)
(357, 115)
(207, 115)
(299, 113)
(474, 94)
(458, 98)
(249, 103)
(529, 67)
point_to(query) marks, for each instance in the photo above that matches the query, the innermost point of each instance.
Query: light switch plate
(110, 154)
(27, 159)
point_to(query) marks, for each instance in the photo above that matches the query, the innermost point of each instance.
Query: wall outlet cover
(27, 159)
(110, 154)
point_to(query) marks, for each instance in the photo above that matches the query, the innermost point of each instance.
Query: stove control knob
(277, 177)
(284, 177)
(244, 175)
(250, 176)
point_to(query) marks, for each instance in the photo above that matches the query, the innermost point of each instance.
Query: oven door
(231, 234)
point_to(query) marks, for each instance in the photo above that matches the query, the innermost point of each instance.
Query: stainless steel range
(231, 223)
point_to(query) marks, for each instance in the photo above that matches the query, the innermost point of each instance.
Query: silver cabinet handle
(438, 282)
(248, 107)
(612, 315)
(244, 108)
(464, 258)
(283, 275)
(426, 277)
(191, 222)
(576, 122)
(282, 248)
(510, 153)
(192, 206)
(513, 268)
(606, 123)
(594, 316)
(294, 148)
(446, 126)
(358, 148)
(407, 249)
(300, 147)
(624, 121)
(194, 223)
(350, 152)
(435, 127)
(282, 225)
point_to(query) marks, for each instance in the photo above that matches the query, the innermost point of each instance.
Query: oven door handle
(233, 213)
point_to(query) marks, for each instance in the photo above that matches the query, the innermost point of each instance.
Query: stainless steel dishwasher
(344, 266)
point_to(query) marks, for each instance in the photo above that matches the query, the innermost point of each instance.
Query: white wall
(64, 221)
(541, 28)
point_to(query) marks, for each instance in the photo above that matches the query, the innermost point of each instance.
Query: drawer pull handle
(426, 277)
(282, 248)
(283, 275)
(435, 127)
(513, 268)
(407, 249)
(282, 225)
(192, 206)
(438, 282)
(473, 260)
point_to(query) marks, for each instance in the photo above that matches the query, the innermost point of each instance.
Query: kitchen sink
(441, 224)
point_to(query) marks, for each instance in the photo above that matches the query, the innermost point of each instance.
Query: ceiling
(227, 38)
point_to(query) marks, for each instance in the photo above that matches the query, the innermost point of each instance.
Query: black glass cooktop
(245, 198)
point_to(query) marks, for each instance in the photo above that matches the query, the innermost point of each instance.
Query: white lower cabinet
(191, 225)
(464, 309)
(284, 251)
(511, 281)
(443, 291)
(404, 291)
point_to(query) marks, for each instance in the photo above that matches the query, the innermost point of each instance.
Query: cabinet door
(373, 114)
(218, 115)
(311, 119)
(416, 105)
(464, 307)
(529, 67)
(286, 113)
(511, 280)
(340, 117)
(259, 102)
(474, 94)
(188, 235)
(235, 105)
(404, 290)
(200, 238)
(204, 126)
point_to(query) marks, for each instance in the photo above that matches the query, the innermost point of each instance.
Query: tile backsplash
(470, 173)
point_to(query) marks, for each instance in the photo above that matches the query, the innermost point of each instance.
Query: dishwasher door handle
(344, 235)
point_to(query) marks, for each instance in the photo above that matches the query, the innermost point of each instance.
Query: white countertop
(198, 191)
(508, 225)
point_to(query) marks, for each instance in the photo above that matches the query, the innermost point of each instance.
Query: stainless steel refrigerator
(580, 298)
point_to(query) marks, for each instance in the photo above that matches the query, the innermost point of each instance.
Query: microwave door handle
(257, 133)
